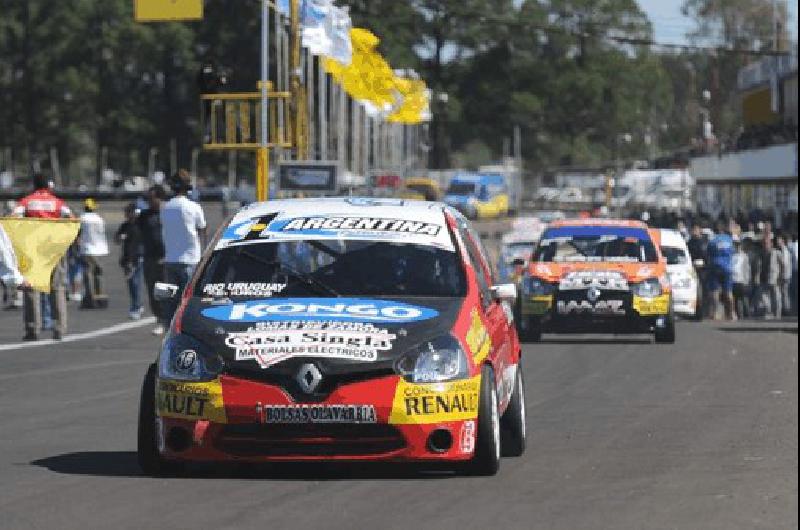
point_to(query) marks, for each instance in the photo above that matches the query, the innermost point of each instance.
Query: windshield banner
(332, 227)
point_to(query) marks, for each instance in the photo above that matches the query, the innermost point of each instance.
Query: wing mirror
(164, 292)
(699, 263)
(506, 292)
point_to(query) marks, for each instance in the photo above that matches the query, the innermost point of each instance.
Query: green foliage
(82, 75)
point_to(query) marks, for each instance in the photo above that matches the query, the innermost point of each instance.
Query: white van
(686, 288)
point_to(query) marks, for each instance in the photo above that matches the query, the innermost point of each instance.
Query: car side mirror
(699, 263)
(505, 292)
(164, 292)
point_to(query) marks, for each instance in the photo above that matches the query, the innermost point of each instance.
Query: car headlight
(682, 282)
(649, 288)
(435, 361)
(184, 358)
(537, 287)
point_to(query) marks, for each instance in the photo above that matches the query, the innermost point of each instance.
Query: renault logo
(308, 377)
(593, 294)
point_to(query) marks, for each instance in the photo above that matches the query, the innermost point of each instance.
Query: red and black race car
(338, 329)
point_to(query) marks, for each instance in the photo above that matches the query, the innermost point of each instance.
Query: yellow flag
(39, 245)
(369, 76)
(166, 10)
(415, 107)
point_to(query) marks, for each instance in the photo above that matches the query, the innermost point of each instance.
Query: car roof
(598, 222)
(406, 209)
(412, 221)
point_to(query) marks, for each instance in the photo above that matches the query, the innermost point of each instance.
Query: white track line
(81, 336)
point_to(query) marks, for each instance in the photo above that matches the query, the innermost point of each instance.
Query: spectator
(720, 255)
(153, 247)
(9, 272)
(93, 247)
(785, 275)
(770, 276)
(132, 259)
(44, 204)
(793, 286)
(183, 227)
(741, 281)
(74, 272)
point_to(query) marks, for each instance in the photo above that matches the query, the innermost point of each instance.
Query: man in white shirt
(183, 227)
(93, 245)
(9, 271)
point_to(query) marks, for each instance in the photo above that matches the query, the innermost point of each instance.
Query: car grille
(289, 440)
(285, 377)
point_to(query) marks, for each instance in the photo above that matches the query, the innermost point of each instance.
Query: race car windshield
(595, 245)
(461, 188)
(332, 268)
(675, 256)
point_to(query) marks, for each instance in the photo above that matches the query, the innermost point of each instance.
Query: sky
(671, 26)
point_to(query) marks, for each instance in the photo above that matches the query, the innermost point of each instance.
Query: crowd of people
(746, 271)
(161, 240)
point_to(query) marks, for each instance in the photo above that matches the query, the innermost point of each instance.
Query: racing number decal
(191, 401)
(435, 402)
(477, 338)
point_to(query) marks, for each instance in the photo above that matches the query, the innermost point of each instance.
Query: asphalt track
(623, 434)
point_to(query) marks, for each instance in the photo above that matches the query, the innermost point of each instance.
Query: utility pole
(295, 72)
(262, 155)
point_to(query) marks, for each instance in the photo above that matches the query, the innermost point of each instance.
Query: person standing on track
(183, 227)
(153, 246)
(94, 246)
(9, 271)
(741, 281)
(132, 260)
(785, 278)
(44, 204)
(720, 255)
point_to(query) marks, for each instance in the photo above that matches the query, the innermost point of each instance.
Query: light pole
(262, 160)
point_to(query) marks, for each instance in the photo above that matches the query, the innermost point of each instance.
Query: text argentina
(362, 223)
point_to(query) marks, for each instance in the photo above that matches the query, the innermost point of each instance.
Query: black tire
(530, 329)
(150, 460)
(698, 310)
(513, 422)
(666, 335)
(486, 461)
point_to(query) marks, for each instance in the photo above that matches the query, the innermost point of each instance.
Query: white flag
(315, 18)
(340, 25)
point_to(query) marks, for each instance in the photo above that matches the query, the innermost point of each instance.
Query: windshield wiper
(303, 277)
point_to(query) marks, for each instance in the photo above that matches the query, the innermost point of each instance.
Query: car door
(498, 317)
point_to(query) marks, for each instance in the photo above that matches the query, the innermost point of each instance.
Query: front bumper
(234, 426)
(612, 313)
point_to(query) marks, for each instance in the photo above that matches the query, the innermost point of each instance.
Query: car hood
(348, 334)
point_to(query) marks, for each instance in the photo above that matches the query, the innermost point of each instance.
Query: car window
(675, 255)
(339, 267)
(475, 260)
(596, 243)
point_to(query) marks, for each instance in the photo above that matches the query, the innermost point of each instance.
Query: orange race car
(596, 276)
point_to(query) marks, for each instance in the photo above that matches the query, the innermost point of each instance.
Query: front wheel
(486, 461)
(148, 455)
(666, 334)
(530, 329)
(513, 422)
